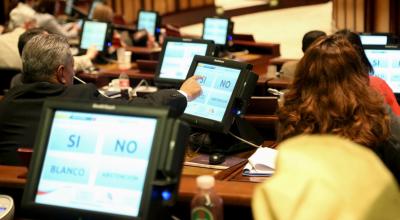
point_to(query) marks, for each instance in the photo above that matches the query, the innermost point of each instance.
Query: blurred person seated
(326, 177)
(21, 19)
(48, 72)
(19, 7)
(289, 67)
(104, 13)
(46, 20)
(330, 94)
(81, 63)
(377, 83)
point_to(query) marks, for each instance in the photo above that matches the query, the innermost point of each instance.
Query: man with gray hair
(48, 72)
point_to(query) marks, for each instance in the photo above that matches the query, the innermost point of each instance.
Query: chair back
(6, 74)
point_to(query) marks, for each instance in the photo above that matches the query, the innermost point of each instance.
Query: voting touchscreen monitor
(216, 29)
(94, 33)
(95, 161)
(149, 21)
(221, 83)
(177, 56)
(385, 61)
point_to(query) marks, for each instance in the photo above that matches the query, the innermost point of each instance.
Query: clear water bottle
(124, 85)
(206, 204)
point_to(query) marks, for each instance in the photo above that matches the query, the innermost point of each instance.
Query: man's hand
(92, 52)
(191, 87)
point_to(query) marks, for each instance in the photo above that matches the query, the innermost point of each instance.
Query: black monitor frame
(237, 102)
(107, 40)
(229, 31)
(157, 29)
(384, 47)
(164, 82)
(166, 131)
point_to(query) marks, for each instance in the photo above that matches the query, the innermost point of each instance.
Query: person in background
(21, 19)
(46, 20)
(19, 7)
(330, 94)
(326, 177)
(377, 83)
(288, 69)
(80, 62)
(48, 72)
(103, 13)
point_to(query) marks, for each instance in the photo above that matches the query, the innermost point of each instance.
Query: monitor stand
(215, 142)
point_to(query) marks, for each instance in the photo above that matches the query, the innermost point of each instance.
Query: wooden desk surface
(9, 176)
(108, 71)
(230, 185)
(279, 82)
(232, 192)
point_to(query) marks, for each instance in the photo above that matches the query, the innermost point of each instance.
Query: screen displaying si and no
(178, 57)
(96, 162)
(94, 33)
(217, 85)
(386, 64)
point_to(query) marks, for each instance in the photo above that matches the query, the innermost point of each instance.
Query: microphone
(100, 91)
(80, 80)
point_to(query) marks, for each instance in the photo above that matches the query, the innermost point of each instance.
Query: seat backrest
(6, 74)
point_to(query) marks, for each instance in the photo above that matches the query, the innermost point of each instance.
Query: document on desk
(261, 163)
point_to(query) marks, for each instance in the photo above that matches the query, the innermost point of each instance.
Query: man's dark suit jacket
(21, 108)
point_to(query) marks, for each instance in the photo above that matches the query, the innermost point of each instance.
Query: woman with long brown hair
(330, 95)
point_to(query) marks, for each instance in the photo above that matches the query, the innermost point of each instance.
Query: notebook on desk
(261, 163)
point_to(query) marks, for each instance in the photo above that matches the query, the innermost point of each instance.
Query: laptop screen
(177, 58)
(386, 64)
(93, 33)
(217, 85)
(147, 20)
(96, 162)
(216, 29)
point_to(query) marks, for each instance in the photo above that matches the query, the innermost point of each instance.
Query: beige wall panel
(359, 16)
(160, 6)
(349, 14)
(340, 22)
(130, 10)
(350, 18)
(147, 5)
(171, 6)
(210, 2)
(382, 16)
(197, 3)
(183, 4)
(118, 7)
